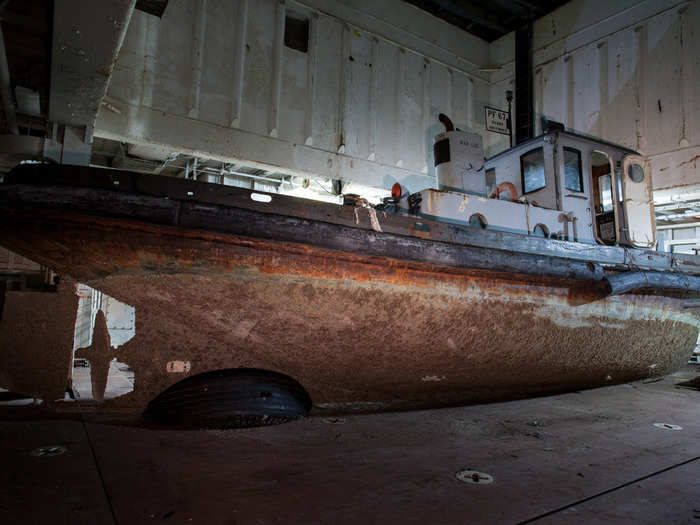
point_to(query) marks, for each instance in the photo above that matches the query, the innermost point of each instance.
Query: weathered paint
(623, 71)
(86, 40)
(619, 70)
(223, 281)
(358, 329)
(198, 205)
(361, 104)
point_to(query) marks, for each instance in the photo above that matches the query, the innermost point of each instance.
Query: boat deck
(198, 205)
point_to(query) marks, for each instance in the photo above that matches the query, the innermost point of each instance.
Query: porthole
(635, 172)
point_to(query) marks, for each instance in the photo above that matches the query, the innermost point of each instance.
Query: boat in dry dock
(530, 273)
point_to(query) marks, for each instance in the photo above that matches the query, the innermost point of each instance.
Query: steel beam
(87, 36)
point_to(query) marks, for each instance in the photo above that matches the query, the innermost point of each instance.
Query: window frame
(522, 171)
(601, 192)
(580, 168)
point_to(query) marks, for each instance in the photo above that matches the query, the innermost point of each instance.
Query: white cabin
(559, 185)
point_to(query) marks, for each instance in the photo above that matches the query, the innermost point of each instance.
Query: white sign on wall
(496, 120)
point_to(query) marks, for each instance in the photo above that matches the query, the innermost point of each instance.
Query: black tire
(233, 398)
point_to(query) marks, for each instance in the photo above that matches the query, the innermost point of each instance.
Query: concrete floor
(589, 457)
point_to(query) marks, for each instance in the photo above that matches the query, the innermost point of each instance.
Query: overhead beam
(538, 10)
(142, 125)
(87, 36)
(448, 6)
(501, 8)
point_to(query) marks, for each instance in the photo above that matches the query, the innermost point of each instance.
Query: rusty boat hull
(360, 330)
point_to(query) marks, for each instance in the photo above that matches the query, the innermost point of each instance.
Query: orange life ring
(505, 186)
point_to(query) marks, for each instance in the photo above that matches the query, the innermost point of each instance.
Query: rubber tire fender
(231, 398)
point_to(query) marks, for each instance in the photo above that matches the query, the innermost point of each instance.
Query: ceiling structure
(488, 19)
(27, 28)
(28, 33)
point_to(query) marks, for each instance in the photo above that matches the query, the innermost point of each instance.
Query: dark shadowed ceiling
(488, 19)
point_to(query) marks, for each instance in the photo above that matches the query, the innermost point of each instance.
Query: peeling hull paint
(374, 343)
(357, 331)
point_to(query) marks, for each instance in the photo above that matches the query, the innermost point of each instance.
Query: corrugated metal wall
(626, 71)
(214, 77)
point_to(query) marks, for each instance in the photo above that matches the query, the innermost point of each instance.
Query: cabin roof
(581, 136)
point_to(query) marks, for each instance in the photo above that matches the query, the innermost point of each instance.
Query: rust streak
(692, 161)
(102, 246)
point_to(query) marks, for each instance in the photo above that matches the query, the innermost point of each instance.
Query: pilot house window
(572, 169)
(605, 192)
(532, 170)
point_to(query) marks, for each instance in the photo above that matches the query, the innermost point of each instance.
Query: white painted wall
(627, 71)
(214, 78)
